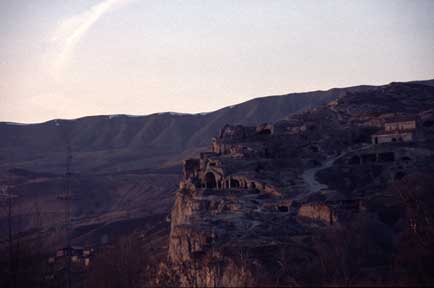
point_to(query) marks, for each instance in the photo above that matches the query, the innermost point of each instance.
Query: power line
(67, 197)
(68, 214)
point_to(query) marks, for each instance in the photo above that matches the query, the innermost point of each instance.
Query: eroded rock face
(228, 206)
(256, 209)
(183, 239)
(192, 240)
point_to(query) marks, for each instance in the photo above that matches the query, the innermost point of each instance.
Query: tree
(24, 266)
(7, 203)
(118, 266)
(414, 261)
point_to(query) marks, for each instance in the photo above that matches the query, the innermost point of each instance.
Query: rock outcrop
(257, 206)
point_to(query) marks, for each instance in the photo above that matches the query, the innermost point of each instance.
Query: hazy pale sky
(71, 58)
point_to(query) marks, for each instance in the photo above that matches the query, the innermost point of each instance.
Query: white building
(400, 124)
(396, 129)
(392, 136)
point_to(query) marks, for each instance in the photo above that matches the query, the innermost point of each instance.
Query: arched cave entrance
(210, 181)
(235, 183)
(283, 208)
(265, 131)
(252, 185)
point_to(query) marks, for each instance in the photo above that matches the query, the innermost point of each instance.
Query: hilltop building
(396, 129)
(400, 124)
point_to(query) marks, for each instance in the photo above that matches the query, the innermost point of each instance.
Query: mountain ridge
(429, 82)
(109, 143)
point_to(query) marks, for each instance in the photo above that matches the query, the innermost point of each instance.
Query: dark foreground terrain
(334, 190)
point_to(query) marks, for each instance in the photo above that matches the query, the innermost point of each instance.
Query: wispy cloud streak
(72, 29)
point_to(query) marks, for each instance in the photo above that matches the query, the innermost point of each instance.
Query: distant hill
(114, 143)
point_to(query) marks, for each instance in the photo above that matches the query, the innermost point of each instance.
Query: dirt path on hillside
(309, 175)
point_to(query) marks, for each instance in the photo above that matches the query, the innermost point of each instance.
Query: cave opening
(210, 180)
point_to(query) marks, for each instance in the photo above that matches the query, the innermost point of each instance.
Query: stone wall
(317, 212)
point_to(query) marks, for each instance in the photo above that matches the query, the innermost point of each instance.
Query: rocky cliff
(277, 203)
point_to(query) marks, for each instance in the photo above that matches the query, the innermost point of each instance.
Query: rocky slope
(124, 168)
(311, 200)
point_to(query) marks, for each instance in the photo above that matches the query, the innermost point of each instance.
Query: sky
(73, 58)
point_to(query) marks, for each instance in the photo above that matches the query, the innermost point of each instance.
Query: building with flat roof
(400, 123)
(392, 136)
(396, 129)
